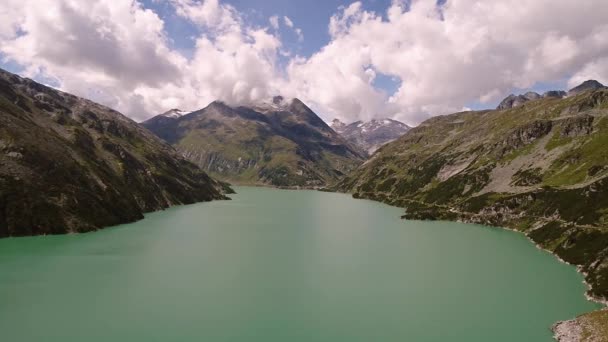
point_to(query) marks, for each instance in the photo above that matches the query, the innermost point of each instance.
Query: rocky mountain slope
(513, 101)
(70, 165)
(280, 143)
(540, 168)
(371, 135)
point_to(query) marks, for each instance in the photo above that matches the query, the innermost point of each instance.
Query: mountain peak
(586, 86)
(174, 113)
(370, 135)
(513, 100)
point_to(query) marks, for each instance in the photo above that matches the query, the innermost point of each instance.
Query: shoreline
(563, 331)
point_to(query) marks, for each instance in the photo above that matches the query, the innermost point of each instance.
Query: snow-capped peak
(370, 135)
(175, 113)
(277, 103)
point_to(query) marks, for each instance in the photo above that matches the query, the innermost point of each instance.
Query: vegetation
(71, 165)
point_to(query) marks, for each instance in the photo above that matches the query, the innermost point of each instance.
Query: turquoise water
(278, 265)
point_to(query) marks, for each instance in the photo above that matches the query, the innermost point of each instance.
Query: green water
(276, 265)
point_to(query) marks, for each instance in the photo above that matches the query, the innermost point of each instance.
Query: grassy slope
(71, 165)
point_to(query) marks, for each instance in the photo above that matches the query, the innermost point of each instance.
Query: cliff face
(70, 165)
(540, 168)
(279, 143)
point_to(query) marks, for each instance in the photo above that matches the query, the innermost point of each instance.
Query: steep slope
(586, 86)
(280, 143)
(371, 135)
(540, 168)
(70, 165)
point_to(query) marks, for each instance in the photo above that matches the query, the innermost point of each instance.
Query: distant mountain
(371, 135)
(70, 165)
(279, 142)
(158, 122)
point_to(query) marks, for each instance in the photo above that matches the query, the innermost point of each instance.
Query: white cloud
(274, 22)
(298, 32)
(118, 53)
(288, 22)
(447, 57)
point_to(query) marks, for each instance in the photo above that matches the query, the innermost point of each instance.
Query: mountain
(370, 135)
(589, 85)
(513, 101)
(540, 168)
(280, 142)
(70, 165)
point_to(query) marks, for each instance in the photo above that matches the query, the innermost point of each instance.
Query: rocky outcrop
(513, 101)
(557, 94)
(70, 165)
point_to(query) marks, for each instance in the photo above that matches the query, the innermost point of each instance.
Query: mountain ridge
(513, 100)
(278, 142)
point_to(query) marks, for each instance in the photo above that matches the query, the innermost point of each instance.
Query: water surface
(277, 265)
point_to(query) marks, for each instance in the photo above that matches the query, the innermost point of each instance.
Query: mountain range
(537, 164)
(70, 165)
(371, 135)
(279, 142)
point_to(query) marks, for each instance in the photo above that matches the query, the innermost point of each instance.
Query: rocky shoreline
(590, 327)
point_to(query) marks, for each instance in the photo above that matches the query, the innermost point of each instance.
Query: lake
(282, 265)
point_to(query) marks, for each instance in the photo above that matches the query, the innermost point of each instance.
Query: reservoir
(281, 265)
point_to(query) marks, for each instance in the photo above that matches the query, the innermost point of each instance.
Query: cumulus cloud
(447, 56)
(116, 52)
(444, 57)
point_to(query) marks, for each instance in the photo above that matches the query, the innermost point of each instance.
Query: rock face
(70, 165)
(541, 168)
(517, 100)
(371, 135)
(558, 94)
(513, 101)
(279, 142)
